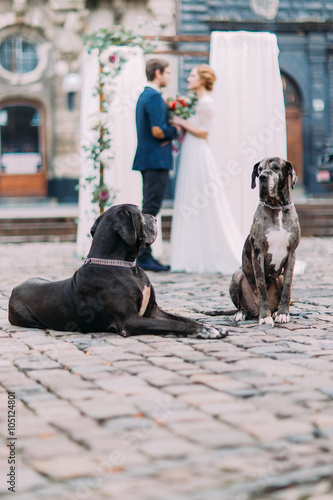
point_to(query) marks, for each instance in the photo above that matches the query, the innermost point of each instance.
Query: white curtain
(127, 184)
(249, 122)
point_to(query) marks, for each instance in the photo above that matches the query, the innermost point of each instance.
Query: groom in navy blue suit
(153, 156)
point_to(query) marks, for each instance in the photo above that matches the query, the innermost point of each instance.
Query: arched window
(18, 54)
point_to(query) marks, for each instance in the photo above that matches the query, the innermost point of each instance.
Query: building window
(20, 139)
(18, 55)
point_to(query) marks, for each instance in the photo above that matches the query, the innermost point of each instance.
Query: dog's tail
(220, 312)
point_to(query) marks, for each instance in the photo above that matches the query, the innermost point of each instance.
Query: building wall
(57, 26)
(304, 29)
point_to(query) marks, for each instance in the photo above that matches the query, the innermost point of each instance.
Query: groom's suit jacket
(152, 153)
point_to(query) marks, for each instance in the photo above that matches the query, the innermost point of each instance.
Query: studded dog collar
(109, 262)
(284, 207)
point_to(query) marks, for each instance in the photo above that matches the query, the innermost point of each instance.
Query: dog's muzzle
(149, 229)
(267, 184)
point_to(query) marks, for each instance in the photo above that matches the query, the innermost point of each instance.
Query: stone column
(330, 84)
(318, 59)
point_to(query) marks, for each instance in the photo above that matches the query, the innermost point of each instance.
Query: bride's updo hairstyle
(206, 74)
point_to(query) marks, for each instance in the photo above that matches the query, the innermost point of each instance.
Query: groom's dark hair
(155, 64)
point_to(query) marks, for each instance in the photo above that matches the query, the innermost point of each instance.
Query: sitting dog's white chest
(278, 242)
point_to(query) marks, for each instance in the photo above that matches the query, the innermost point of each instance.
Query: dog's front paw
(209, 332)
(266, 321)
(282, 318)
(240, 316)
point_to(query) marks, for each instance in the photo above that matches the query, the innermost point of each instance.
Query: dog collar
(109, 262)
(284, 207)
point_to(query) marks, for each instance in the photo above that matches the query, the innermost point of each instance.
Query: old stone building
(40, 66)
(304, 29)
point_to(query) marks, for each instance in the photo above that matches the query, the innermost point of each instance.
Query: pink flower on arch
(103, 195)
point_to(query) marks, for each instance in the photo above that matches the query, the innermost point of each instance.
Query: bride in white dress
(201, 241)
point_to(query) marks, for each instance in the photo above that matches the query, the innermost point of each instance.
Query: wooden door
(22, 149)
(293, 103)
(295, 140)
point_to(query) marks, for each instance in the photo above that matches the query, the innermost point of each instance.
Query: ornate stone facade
(56, 27)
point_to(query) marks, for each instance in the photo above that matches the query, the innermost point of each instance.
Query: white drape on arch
(249, 122)
(119, 175)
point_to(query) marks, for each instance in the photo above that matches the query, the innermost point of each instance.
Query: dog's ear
(292, 174)
(125, 227)
(94, 227)
(254, 175)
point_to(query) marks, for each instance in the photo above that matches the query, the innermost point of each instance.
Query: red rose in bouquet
(182, 106)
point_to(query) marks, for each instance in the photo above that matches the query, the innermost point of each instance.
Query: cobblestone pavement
(160, 418)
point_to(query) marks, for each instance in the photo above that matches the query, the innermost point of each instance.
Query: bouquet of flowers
(182, 106)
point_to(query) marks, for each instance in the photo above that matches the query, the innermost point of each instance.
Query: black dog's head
(274, 174)
(127, 222)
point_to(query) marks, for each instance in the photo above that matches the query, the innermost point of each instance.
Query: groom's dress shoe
(153, 265)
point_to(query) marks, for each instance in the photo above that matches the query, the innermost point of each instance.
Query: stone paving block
(47, 341)
(184, 415)
(59, 379)
(168, 448)
(205, 397)
(220, 437)
(276, 429)
(33, 426)
(123, 384)
(4, 363)
(35, 362)
(186, 388)
(227, 384)
(77, 428)
(7, 351)
(160, 377)
(160, 407)
(49, 446)
(33, 395)
(73, 393)
(313, 364)
(324, 418)
(110, 353)
(64, 468)
(52, 411)
(134, 368)
(89, 369)
(216, 366)
(26, 479)
(105, 407)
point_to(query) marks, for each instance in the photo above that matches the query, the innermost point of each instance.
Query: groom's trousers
(154, 186)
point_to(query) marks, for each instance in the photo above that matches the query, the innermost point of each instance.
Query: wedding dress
(201, 239)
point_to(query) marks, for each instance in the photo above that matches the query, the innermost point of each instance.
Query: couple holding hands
(199, 239)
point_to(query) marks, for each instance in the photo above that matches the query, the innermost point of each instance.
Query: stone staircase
(316, 217)
(37, 220)
(13, 230)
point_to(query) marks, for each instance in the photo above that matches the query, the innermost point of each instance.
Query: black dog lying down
(109, 292)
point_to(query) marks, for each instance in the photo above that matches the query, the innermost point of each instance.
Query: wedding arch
(113, 78)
